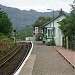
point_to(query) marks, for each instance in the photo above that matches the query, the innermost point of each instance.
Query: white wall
(58, 34)
(30, 38)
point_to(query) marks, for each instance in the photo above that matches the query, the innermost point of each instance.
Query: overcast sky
(38, 5)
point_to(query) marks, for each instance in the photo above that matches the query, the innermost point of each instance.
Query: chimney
(61, 12)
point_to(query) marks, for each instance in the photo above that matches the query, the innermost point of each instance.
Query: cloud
(39, 5)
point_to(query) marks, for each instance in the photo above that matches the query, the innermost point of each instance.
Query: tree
(67, 26)
(41, 20)
(5, 23)
(24, 32)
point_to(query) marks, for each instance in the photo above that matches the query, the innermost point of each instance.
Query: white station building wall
(58, 34)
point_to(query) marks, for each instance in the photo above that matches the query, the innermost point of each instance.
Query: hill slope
(21, 18)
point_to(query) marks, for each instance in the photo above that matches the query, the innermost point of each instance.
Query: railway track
(9, 55)
(10, 62)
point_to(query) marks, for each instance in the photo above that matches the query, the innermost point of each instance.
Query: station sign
(36, 29)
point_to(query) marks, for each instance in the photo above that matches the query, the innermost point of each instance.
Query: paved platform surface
(45, 60)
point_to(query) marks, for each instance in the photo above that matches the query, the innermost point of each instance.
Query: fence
(71, 42)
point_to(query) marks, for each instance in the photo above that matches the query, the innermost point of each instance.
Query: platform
(45, 60)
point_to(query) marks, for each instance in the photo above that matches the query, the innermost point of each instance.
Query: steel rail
(28, 49)
(8, 53)
(6, 59)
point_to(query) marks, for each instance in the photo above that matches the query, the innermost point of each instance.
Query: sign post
(36, 30)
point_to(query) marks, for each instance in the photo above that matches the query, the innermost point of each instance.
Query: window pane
(48, 32)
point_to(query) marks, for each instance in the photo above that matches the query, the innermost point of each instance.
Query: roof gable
(53, 20)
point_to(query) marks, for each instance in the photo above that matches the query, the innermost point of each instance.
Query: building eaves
(52, 20)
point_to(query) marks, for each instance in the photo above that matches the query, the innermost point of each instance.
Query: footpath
(68, 55)
(49, 60)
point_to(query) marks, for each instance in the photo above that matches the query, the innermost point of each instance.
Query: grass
(5, 43)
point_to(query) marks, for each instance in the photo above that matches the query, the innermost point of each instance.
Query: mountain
(21, 18)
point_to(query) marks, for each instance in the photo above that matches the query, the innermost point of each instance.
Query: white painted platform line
(28, 67)
(18, 71)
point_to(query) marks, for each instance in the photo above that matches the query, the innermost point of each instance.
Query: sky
(39, 5)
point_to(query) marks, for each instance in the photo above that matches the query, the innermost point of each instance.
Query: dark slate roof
(52, 20)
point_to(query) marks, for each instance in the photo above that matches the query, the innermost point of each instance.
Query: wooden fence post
(67, 42)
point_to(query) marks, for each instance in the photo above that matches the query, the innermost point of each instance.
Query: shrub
(39, 37)
(51, 43)
(5, 42)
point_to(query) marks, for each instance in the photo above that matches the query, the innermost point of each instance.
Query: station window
(50, 32)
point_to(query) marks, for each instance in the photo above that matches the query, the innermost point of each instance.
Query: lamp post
(53, 25)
